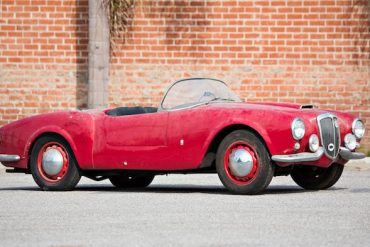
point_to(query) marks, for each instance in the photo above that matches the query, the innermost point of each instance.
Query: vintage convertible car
(200, 126)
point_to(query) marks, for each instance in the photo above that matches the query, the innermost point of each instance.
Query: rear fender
(52, 130)
(82, 153)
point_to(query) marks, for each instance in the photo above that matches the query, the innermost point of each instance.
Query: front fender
(276, 136)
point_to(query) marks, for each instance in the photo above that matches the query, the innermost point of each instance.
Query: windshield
(196, 91)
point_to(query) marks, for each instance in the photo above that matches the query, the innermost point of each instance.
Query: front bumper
(306, 156)
(9, 157)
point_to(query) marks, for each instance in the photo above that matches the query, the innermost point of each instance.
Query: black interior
(124, 111)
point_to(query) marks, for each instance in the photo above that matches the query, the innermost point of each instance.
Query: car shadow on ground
(178, 188)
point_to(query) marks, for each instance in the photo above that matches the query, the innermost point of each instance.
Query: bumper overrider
(306, 156)
(9, 158)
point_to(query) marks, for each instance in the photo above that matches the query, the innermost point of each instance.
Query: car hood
(273, 112)
(286, 105)
(288, 109)
(267, 106)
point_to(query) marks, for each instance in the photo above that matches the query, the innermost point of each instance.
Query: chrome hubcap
(52, 162)
(240, 162)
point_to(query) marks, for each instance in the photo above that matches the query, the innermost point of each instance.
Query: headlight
(358, 128)
(314, 143)
(350, 142)
(298, 128)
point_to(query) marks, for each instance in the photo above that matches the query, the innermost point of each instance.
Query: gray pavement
(186, 210)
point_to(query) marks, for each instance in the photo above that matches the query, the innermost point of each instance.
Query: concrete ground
(186, 210)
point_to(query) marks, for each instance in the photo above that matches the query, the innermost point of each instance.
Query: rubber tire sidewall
(265, 170)
(70, 179)
(332, 175)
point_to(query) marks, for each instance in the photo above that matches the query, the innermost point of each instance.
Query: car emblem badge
(331, 147)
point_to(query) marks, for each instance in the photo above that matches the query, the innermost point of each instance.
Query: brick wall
(43, 56)
(315, 52)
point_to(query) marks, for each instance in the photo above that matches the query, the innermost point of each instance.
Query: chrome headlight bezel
(350, 141)
(358, 128)
(298, 128)
(314, 143)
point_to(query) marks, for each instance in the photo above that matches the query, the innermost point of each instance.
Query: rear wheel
(124, 181)
(243, 163)
(317, 178)
(53, 165)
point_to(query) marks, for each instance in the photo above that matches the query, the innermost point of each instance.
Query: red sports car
(200, 126)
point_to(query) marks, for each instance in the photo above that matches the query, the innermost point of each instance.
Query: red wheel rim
(62, 172)
(252, 174)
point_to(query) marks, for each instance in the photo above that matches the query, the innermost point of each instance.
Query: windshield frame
(189, 105)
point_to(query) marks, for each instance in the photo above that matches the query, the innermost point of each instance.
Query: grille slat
(329, 133)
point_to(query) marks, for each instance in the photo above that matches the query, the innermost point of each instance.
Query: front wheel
(317, 178)
(243, 163)
(124, 181)
(53, 165)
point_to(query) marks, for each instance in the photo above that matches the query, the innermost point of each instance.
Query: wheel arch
(221, 134)
(66, 138)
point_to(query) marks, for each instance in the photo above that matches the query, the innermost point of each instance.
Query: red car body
(178, 140)
(152, 141)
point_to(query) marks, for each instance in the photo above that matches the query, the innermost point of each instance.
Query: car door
(188, 131)
(132, 141)
(141, 130)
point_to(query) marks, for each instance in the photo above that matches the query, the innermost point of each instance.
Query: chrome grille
(329, 133)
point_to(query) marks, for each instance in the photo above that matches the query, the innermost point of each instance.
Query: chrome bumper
(9, 157)
(300, 157)
(305, 156)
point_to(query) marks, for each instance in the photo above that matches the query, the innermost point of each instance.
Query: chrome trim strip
(187, 107)
(300, 157)
(348, 155)
(9, 157)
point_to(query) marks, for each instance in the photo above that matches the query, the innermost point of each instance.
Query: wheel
(316, 178)
(53, 165)
(243, 163)
(124, 181)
